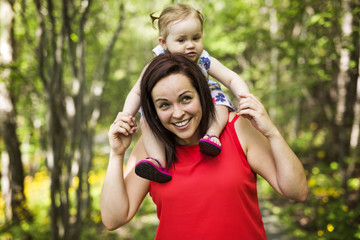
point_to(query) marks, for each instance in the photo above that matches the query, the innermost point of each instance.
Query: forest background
(65, 70)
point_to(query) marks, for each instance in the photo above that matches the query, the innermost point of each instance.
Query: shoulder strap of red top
(234, 118)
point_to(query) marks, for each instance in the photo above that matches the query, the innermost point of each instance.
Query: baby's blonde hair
(174, 13)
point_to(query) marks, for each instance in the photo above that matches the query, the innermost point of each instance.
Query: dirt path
(273, 228)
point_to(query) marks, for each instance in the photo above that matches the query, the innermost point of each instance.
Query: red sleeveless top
(209, 197)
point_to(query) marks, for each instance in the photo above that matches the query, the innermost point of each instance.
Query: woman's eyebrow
(165, 99)
(187, 91)
(160, 99)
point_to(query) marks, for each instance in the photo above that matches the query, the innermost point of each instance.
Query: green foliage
(307, 42)
(325, 212)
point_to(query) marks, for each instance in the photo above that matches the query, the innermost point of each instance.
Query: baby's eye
(196, 38)
(181, 40)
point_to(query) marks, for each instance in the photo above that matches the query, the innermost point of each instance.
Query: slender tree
(274, 55)
(11, 162)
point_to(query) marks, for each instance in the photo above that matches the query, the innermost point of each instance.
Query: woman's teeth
(180, 124)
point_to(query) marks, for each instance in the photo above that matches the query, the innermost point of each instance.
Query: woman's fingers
(121, 131)
(251, 108)
(125, 123)
(125, 117)
(122, 127)
(248, 106)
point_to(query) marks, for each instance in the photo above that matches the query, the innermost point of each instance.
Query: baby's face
(185, 37)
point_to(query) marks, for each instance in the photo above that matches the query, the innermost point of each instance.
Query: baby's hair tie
(153, 19)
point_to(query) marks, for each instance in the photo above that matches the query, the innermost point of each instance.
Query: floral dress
(218, 95)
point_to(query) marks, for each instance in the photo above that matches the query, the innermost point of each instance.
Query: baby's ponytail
(153, 19)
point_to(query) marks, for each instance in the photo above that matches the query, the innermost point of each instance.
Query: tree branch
(41, 45)
(101, 74)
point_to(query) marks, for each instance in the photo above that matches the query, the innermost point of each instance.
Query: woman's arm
(121, 196)
(267, 152)
(227, 77)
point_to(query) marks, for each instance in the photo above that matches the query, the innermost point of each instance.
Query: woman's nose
(178, 112)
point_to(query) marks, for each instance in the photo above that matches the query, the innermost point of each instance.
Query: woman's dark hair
(159, 68)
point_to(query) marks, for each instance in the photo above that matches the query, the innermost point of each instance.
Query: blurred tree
(12, 177)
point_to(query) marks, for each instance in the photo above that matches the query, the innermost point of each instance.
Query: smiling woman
(175, 90)
(208, 197)
(177, 105)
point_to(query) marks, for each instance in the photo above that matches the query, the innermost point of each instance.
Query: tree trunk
(274, 62)
(50, 72)
(87, 114)
(355, 128)
(342, 81)
(299, 34)
(14, 174)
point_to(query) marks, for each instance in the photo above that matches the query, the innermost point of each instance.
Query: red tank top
(209, 197)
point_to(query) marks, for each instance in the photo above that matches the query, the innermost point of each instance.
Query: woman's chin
(188, 139)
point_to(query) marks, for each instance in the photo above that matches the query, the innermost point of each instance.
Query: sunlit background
(67, 66)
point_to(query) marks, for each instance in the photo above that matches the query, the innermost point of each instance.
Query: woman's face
(178, 107)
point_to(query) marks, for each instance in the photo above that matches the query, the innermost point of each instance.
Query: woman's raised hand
(121, 132)
(251, 108)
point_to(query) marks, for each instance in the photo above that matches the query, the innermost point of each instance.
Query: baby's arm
(153, 147)
(227, 77)
(132, 102)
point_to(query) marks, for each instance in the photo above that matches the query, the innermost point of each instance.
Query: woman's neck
(189, 141)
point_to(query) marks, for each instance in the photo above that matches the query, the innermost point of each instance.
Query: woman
(208, 197)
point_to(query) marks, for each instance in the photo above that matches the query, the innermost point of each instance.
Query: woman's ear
(162, 42)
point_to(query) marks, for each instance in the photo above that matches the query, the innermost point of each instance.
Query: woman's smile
(182, 124)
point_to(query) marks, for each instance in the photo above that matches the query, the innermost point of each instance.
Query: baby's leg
(153, 167)
(210, 143)
(218, 124)
(154, 148)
